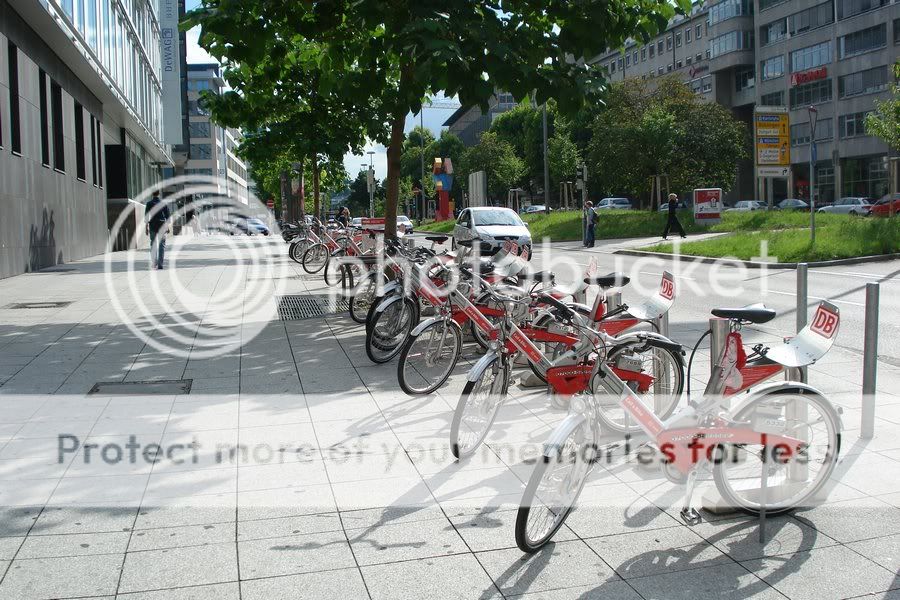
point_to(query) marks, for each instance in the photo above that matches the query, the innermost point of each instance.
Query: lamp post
(371, 181)
(813, 117)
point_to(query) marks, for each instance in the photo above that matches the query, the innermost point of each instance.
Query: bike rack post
(870, 362)
(613, 300)
(662, 324)
(720, 330)
(802, 307)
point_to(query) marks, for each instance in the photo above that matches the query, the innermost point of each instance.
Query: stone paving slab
(313, 476)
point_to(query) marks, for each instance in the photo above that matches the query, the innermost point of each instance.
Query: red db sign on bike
(825, 322)
(667, 287)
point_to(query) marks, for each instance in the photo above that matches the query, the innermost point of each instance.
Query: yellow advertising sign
(772, 132)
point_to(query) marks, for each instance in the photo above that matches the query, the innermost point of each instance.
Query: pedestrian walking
(345, 217)
(590, 220)
(673, 223)
(156, 213)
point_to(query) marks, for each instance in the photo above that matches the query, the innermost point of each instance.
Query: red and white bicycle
(775, 449)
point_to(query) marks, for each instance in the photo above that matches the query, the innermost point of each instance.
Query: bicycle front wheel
(363, 298)
(477, 408)
(297, 249)
(791, 483)
(554, 487)
(334, 268)
(428, 359)
(389, 330)
(314, 258)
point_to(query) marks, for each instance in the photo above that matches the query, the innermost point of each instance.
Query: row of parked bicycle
(773, 450)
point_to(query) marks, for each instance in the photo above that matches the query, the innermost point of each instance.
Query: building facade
(834, 55)
(469, 123)
(80, 124)
(212, 149)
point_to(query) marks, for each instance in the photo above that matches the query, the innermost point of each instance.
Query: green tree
(498, 160)
(386, 56)
(884, 121)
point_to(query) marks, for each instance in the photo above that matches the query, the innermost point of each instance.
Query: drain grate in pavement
(174, 387)
(307, 306)
(35, 305)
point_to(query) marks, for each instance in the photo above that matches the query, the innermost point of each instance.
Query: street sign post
(772, 137)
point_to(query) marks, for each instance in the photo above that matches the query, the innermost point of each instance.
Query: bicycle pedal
(691, 516)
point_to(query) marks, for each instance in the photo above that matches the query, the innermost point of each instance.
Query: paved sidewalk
(295, 468)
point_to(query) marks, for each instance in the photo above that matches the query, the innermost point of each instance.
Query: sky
(433, 117)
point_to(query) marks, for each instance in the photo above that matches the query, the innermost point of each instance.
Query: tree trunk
(315, 167)
(393, 175)
(300, 201)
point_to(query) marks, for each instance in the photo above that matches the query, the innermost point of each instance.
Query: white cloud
(196, 54)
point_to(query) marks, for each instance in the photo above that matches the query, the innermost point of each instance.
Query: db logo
(825, 322)
(667, 288)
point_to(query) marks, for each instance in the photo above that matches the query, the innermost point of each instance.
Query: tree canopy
(884, 121)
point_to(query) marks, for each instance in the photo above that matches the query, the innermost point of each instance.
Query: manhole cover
(175, 387)
(30, 305)
(296, 308)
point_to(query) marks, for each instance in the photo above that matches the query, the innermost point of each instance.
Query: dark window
(201, 151)
(99, 156)
(811, 57)
(897, 31)
(772, 32)
(59, 150)
(93, 151)
(45, 118)
(79, 143)
(863, 82)
(773, 99)
(811, 93)
(848, 8)
(767, 4)
(853, 124)
(744, 79)
(862, 41)
(811, 18)
(15, 126)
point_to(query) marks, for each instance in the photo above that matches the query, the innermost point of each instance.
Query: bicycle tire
(363, 299)
(458, 427)
(312, 257)
(330, 273)
(381, 347)
(454, 331)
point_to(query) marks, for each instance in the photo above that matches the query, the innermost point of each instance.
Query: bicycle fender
(562, 431)
(483, 363)
(421, 326)
(388, 301)
(782, 386)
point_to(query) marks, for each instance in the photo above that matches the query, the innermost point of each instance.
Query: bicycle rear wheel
(554, 487)
(334, 267)
(297, 249)
(314, 258)
(477, 408)
(428, 359)
(389, 330)
(796, 413)
(363, 298)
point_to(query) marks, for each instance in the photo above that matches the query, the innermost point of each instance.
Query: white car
(494, 226)
(534, 208)
(748, 205)
(404, 224)
(849, 206)
(614, 203)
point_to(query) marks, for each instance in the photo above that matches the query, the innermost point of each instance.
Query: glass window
(195, 107)
(201, 151)
(728, 9)
(698, 31)
(772, 32)
(634, 57)
(744, 79)
(199, 129)
(678, 64)
(688, 61)
(773, 99)
(864, 177)
(772, 68)
(811, 93)
(800, 132)
(687, 35)
(731, 42)
(59, 147)
(80, 171)
(659, 47)
(767, 4)
(707, 83)
(643, 54)
(45, 118)
(864, 40)
(652, 50)
(627, 60)
(896, 31)
(863, 82)
(99, 155)
(848, 8)
(15, 122)
(852, 125)
(93, 151)
(661, 70)
(811, 18)
(678, 40)
(811, 57)
(669, 42)
(698, 58)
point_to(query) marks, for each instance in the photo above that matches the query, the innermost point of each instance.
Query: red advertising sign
(825, 322)
(807, 76)
(708, 205)
(377, 221)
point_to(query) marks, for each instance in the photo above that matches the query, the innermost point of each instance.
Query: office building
(212, 148)
(80, 124)
(468, 123)
(834, 55)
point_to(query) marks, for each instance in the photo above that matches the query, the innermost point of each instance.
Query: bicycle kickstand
(688, 513)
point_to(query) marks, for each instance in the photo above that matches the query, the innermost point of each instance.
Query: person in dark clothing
(590, 218)
(673, 223)
(156, 212)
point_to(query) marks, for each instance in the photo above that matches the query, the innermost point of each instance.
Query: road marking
(847, 302)
(660, 274)
(869, 276)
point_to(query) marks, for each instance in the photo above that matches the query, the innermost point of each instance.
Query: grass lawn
(438, 226)
(847, 238)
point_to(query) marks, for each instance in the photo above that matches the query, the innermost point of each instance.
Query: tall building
(835, 55)
(80, 124)
(468, 123)
(212, 148)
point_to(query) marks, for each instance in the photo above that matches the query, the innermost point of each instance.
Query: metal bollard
(660, 380)
(410, 242)
(720, 330)
(613, 301)
(802, 308)
(870, 362)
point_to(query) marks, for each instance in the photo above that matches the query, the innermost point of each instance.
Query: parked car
(747, 206)
(534, 208)
(682, 205)
(614, 203)
(882, 208)
(494, 226)
(848, 206)
(247, 226)
(404, 224)
(792, 204)
(356, 222)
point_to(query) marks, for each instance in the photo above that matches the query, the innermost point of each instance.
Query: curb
(752, 264)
